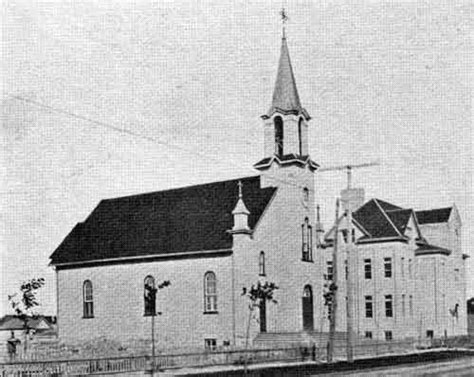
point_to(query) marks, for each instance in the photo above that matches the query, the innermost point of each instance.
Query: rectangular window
(411, 304)
(388, 306)
(369, 307)
(387, 267)
(210, 344)
(368, 268)
(403, 305)
(388, 335)
(329, 273)
(368, 334)
(430, 334)
(346, 267)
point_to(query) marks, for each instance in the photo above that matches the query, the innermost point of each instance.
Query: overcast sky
(173, 93)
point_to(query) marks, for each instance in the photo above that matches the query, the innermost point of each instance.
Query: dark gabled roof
(432, 216)
(400, 218)
(285, 95)
(372, 218)
(287, 159)
(195, 218)
(386, 206)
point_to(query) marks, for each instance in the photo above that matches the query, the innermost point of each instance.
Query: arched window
(307, 240)
(300, 135)
(88, 300)
(149, 295)
(261, 264)
(305, 196)
(278, 122)
(210, 292)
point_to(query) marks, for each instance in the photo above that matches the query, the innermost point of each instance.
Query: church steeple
(286, 121)
(285, 94)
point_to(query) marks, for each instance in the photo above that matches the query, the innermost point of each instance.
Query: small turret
(241, 215)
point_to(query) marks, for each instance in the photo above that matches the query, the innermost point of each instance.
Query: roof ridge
(434, 209)
(398, 210)
(180, 188)
(387, 217)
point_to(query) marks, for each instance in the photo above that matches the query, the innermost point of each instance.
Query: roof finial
(240, 189)
(284, 20)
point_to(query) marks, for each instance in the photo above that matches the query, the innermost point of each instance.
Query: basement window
(210, 344)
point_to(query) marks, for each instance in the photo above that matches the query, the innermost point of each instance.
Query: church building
(212, 240)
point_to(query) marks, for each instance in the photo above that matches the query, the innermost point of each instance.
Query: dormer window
(278, 123)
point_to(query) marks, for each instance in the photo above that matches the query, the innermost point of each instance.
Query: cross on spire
(284, 20)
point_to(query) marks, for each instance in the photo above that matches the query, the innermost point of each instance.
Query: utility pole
(333, 289)
(351, 263)
(348, 196)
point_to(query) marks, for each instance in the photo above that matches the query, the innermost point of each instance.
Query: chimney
(352, 199)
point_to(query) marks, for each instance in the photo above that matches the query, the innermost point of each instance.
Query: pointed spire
(285, 94)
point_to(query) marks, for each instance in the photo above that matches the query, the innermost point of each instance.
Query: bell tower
(286, 121)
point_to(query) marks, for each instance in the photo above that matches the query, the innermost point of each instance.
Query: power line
(117, 129)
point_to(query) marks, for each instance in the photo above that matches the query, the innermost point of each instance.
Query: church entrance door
(263, 316)
(308, 319)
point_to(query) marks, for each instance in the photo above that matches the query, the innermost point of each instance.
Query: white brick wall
(431, 284)
(119, 306)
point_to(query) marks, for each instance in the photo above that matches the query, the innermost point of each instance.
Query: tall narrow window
(388, 306)
(307, 240)
(402, 266)
(149, 296)
(278, 122)
(411, 304)
(210, 292)
(261, 264)
(368, 268)
(88, 300)
(300, 135)
(410, 269)
(403, 305)
(369, 307)
(388, 267)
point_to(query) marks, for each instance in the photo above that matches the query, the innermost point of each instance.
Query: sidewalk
(279, 368)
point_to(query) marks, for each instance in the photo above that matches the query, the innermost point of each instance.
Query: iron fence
(128, 364)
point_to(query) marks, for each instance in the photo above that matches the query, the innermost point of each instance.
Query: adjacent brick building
(212, 240)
